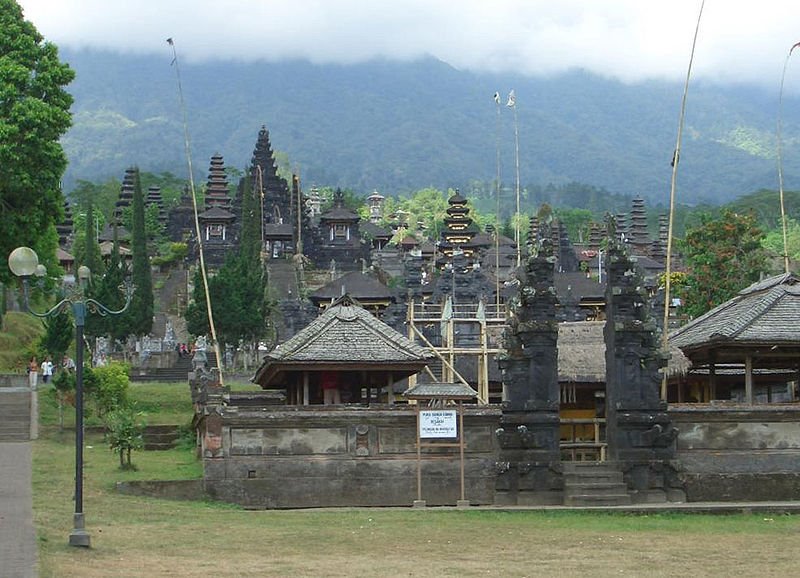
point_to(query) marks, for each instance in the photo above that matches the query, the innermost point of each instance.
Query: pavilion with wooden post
(367, 356)
(747, 349)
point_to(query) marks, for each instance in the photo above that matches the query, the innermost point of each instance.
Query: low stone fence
(317, 456)
(738, 452)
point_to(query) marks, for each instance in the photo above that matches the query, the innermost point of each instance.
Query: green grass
(144, 537)
(162, 404)
(18, 337)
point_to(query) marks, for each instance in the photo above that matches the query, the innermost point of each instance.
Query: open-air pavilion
(747, 349)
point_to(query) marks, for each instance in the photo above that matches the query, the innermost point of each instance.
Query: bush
(125, 433)
(173, 253)
(110, 387)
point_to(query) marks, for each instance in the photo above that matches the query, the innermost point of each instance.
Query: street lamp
(24, 262)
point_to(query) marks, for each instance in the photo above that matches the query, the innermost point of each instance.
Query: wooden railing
(583, 439)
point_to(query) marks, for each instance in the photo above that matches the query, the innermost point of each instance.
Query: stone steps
(178, 372)
(589, 484)
(15, 419)
(160, 437)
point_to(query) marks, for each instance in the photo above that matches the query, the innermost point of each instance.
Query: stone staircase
(282, 278)
(589, 484)
(160, 437)
(15, 414)
(390, 261)
(178, 372)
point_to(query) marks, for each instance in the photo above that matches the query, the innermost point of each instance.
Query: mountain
(397, 127)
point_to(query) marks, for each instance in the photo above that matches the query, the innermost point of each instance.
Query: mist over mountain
(398, 127)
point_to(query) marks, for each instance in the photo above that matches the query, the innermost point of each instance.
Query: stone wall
(299, 457)
(736, 452)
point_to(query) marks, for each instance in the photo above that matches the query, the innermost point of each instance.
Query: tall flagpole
(497, 199)
(780, 162)
(675, 160)
(512, 102)
(203, 272)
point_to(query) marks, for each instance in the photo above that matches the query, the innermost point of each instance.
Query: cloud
(739, 40)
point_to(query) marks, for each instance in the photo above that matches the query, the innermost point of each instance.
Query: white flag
(512, 99)
(497, 98)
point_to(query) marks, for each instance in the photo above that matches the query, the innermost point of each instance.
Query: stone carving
(640, 434)
(528, 433)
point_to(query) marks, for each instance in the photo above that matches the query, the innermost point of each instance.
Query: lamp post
(24, 263)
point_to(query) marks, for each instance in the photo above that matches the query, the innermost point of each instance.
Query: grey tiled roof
(278, 230)
(441, 391)
(216, 213)
(767, 312)
(347, 333)
(374, 230)
(355, 283)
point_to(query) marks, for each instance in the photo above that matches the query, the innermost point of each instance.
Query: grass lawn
(142, 537)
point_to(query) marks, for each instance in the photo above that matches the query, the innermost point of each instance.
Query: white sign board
(437, 423)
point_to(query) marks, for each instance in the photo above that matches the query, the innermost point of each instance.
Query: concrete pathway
(17, 534)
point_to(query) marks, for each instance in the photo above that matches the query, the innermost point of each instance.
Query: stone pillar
(529, 469)
(640, 435)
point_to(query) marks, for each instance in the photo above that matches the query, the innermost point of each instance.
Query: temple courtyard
(137, 536)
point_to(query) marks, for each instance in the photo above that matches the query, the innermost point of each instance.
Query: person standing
(47, 369)
(68, 364)
(33, 372)
(330, 388)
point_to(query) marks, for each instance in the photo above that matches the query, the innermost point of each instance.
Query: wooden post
(305, 388)
(412, 379)
(419, 503)
(712, 381)
(451, 335)
(748, 379)
(483, 378)
(461, 449)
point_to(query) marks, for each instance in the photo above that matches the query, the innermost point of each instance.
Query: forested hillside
(399, 127)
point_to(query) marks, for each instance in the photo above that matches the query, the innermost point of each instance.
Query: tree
(58, 335)
(241, 285)
(34, 114)
(111, 390)
(577, 222)
(106, 290)
(91, 252)
(125, 433)
(722, 257)
(140, 312)
(773, 241)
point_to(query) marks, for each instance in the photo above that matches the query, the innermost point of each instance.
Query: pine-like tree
(107, 291)
(140, 312)
(241, 284)
(91, 252)
(58, 335)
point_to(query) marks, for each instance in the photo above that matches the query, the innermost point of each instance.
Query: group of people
(46, 368)
(183, 349)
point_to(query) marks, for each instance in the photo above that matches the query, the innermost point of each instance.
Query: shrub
(125, 433)
(110, 387)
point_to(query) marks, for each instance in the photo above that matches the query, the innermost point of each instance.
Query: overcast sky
(739, 40)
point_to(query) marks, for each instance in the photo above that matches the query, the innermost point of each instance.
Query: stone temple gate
(261, 452)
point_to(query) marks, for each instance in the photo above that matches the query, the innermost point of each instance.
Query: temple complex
(557, 361)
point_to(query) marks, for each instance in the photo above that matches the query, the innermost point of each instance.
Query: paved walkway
(17, 534)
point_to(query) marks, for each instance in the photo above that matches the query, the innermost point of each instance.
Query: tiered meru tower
(529, 470)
